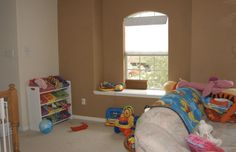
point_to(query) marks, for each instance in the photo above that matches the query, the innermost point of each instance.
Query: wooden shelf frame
(13, 109)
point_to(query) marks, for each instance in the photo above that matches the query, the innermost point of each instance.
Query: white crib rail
(5, 127)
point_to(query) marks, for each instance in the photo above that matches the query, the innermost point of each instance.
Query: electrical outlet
(83, 101)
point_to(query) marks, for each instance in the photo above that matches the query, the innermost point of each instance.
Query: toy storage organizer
(53, 104)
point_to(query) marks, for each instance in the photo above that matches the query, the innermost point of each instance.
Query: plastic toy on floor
(45, 126)
(80, 127)
(126, 122)
(112, 115)
(131, 142)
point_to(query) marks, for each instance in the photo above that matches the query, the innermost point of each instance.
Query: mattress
(161, 130)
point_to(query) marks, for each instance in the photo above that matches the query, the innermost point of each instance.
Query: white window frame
(144, 20)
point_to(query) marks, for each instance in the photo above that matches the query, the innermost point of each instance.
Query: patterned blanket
(186, 102)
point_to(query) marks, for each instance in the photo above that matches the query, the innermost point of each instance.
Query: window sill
(133, 93)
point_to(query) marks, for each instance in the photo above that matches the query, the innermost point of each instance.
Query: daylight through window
(146, 48)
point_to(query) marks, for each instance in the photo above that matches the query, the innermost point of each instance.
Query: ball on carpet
(45, 126)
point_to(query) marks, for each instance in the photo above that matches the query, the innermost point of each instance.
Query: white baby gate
(5, 131)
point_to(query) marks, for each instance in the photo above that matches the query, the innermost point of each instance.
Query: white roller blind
(145, 20)
(146, 39)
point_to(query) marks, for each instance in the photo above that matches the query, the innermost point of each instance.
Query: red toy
(125, 123)
(81, 127)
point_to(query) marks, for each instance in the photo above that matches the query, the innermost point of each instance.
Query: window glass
(146, 48)
(151, 68)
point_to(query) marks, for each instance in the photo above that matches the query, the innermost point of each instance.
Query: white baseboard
(96, 119)
(23, 128)
(89, 118)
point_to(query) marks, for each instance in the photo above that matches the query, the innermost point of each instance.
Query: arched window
(146, 48)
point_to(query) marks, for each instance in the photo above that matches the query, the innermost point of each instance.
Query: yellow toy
(125, 123)
(119, 87)
(169, 86)
(111, 86)
(131, 142)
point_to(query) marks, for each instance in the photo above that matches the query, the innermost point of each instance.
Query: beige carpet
(96, 137)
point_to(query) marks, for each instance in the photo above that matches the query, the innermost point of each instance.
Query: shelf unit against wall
(54, 104)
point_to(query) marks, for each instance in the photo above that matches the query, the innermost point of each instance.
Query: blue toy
(112, 114)
(45, 126)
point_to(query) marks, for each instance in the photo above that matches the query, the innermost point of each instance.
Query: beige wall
(202, 43)
(28, 45)
(91, 48)
(37, 45)
(76, 50)
(179, 13)
(8, 44)
(213, 39)
(97, 44)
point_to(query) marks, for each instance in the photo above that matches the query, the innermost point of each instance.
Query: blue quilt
(186, 102)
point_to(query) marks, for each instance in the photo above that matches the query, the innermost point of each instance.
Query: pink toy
(199, 144)
(41, 83)
(214, 85)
